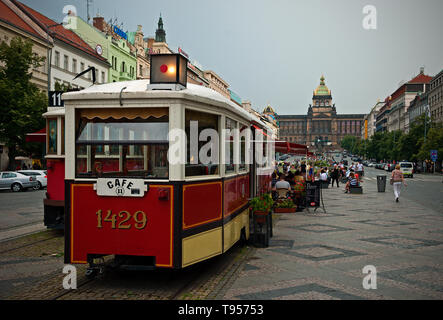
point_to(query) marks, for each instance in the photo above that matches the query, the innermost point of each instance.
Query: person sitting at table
(282, 187)
(353, 182)
(323, 176)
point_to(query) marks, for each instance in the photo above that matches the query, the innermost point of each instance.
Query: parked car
(17, 181)
(407, 169)
(41, 175)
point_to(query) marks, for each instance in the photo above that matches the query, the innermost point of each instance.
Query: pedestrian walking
(397, 179)
(335, 176)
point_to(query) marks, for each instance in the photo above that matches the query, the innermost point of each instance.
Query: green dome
(322, 89)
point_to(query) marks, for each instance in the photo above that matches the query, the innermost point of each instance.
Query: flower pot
(260, 216)
(285, 210)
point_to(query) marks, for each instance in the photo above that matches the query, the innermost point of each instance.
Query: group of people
(286, 175)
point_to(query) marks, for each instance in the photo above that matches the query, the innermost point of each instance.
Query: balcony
(124, 76)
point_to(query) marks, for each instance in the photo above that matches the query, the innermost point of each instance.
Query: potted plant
(286, 206)
(261, 206)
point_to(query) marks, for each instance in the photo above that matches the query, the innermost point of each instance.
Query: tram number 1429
(139, 219)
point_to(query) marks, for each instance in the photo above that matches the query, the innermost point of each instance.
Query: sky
(275, 51)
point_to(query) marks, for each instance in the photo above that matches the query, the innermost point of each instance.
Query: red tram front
(133, 187)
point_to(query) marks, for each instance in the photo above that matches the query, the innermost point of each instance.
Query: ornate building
(321, 128)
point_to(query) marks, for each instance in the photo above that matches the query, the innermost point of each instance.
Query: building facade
(69, 56)
(321, 128)
(16, 23)
(217, 83)
(398, 118)
(139, 45)
(371, 119)
(110, 43)
(418, 107)
(436, 97)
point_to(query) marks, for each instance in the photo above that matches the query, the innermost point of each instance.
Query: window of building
(210, 165)
(82, 67)
(66, 63)
(57, 59)
(74, 65)
(103, 77)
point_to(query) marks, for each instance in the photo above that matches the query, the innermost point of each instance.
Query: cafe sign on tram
(120, 187)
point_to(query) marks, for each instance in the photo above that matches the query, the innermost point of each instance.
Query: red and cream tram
(125, 197)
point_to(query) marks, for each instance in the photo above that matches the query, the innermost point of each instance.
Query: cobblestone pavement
(322, 255)
(31, 269)
(313, 255)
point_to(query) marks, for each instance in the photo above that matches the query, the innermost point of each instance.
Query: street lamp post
(50, 53)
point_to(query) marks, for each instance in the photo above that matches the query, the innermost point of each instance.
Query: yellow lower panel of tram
(232, 230)
(201, 246)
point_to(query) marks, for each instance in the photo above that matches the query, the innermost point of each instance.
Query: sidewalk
(321, 256)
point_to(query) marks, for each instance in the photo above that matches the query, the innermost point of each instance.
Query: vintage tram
(125, 197)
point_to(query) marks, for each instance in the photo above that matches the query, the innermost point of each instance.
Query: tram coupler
(95, 268)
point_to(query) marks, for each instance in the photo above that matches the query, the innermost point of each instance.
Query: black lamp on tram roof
(168, 72)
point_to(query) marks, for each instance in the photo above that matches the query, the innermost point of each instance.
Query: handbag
(391, 181)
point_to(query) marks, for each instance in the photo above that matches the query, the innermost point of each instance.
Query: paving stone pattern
(321, 255)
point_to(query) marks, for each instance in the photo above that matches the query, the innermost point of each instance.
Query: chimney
(422, 70)
(99, 23)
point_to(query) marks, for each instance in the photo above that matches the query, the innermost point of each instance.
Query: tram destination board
(313, 190)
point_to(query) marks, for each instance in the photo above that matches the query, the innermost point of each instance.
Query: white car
(407, 168)
(41, 175)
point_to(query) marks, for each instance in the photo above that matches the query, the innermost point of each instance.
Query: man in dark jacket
(335, 175)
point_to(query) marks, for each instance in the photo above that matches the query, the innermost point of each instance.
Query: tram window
(242, 165)
(52, 136)
(201, 168)
(123, 148)
(229, 146)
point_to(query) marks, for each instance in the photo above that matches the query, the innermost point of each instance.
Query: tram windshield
(122, 148)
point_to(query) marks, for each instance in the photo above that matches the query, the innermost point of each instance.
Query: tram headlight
(168, 69)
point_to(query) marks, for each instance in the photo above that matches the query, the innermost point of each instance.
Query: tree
(22, 103)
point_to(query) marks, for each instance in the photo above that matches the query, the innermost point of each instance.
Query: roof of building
(322, 89)
(421, 78)
(9, 16)
(59, 32)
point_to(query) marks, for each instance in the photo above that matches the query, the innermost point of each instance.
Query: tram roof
(139, 89)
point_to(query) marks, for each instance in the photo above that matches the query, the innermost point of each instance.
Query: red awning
(291, 148)
(39, 136)
(259, 130)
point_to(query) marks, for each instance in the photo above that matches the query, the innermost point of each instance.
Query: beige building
(371, 117)
(15, 23)
(435, 97)
(398, 118)
(217, 83)
(139, 46)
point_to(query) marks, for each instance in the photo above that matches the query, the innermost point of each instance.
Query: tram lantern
(168, 70)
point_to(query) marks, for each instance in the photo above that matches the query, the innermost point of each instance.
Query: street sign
(55, 99)
(434, 155)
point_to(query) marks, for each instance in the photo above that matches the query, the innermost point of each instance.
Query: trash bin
(381, 183)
